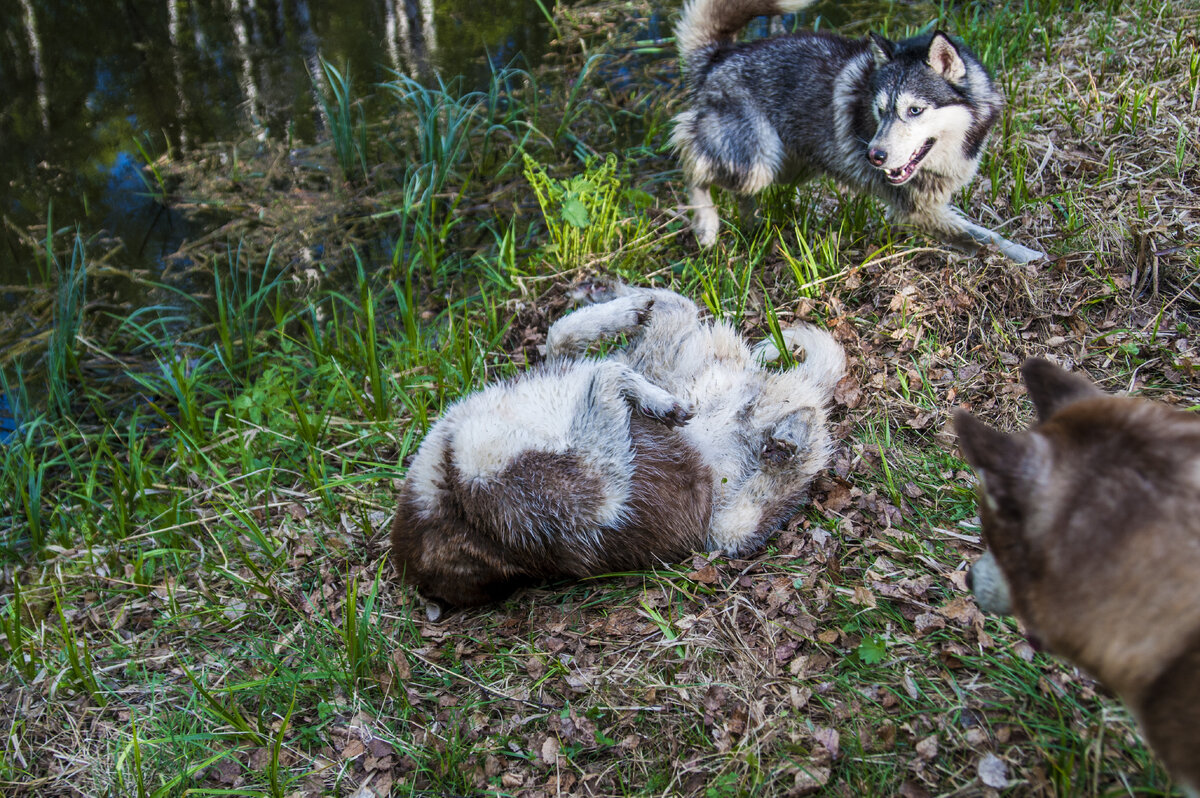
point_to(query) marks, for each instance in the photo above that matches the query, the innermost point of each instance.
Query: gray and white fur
(903, 120)
(677, 442)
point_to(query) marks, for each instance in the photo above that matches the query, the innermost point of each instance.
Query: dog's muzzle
(903, 173)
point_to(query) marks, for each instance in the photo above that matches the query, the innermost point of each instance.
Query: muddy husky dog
(678, 442)
(1092, 522)
(905, 121)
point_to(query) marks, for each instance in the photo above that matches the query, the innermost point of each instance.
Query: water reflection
(85, 81)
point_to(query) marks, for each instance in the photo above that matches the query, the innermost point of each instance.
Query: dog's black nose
(876, 156)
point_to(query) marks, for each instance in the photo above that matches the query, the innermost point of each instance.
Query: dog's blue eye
(915, 110)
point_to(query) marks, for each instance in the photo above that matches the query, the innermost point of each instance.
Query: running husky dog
(905, 121)
(1092, 522)
(681, 441)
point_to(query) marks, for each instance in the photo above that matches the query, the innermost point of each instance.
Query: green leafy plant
(586, 215)
(872, 650)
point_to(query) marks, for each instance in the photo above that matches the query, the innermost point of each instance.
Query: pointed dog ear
(985, 448)
(998, 459)
(882, 49)
(1052, 388)
(945, 59)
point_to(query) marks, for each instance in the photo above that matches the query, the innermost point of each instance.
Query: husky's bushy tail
(821, 358)
(707, 24)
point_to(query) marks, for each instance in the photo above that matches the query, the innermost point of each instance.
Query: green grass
(194, 596)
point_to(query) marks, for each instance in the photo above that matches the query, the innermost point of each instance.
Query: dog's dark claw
(677, 416)
(643, 314)
(776, 450)
(592, 292)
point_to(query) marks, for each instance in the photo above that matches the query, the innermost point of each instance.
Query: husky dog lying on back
(1092, 523)
(905, 121)
(681, 441)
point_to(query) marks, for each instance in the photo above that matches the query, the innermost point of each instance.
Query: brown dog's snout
(986, 581)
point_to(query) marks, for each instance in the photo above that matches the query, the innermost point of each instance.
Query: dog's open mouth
(903, 173)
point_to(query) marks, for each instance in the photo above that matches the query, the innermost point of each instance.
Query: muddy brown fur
(1092, 522)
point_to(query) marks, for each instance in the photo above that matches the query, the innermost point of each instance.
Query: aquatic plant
(345, 120)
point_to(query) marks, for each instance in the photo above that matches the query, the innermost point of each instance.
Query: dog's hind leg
(570, 336)
(789, 451)
(750, 516)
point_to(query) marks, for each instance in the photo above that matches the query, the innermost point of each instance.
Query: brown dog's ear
(1052, 388)
(985, 448)
(997, 457)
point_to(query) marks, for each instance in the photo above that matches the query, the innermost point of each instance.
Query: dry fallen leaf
(550, 750)
(400, 665)
(1023, 650)
(354, 748)
(828, 739)
(226, 771)
(863, 597)
(810, 777)
(993, 772)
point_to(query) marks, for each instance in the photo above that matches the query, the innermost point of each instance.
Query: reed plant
(345, 121)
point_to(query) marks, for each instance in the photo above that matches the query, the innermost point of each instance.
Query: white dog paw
(1020, 254)
(641, 310)
(705, 226)
(667, 409)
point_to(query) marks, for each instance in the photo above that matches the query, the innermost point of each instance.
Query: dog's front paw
(1019, 254)
(672, 413)
(593, 291)
(642, 307)
(678, 415)
(630, 312)
(705, 225)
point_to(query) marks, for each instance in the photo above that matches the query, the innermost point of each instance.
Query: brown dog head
(1093, 520)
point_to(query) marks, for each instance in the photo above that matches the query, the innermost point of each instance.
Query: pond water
(93, 90)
